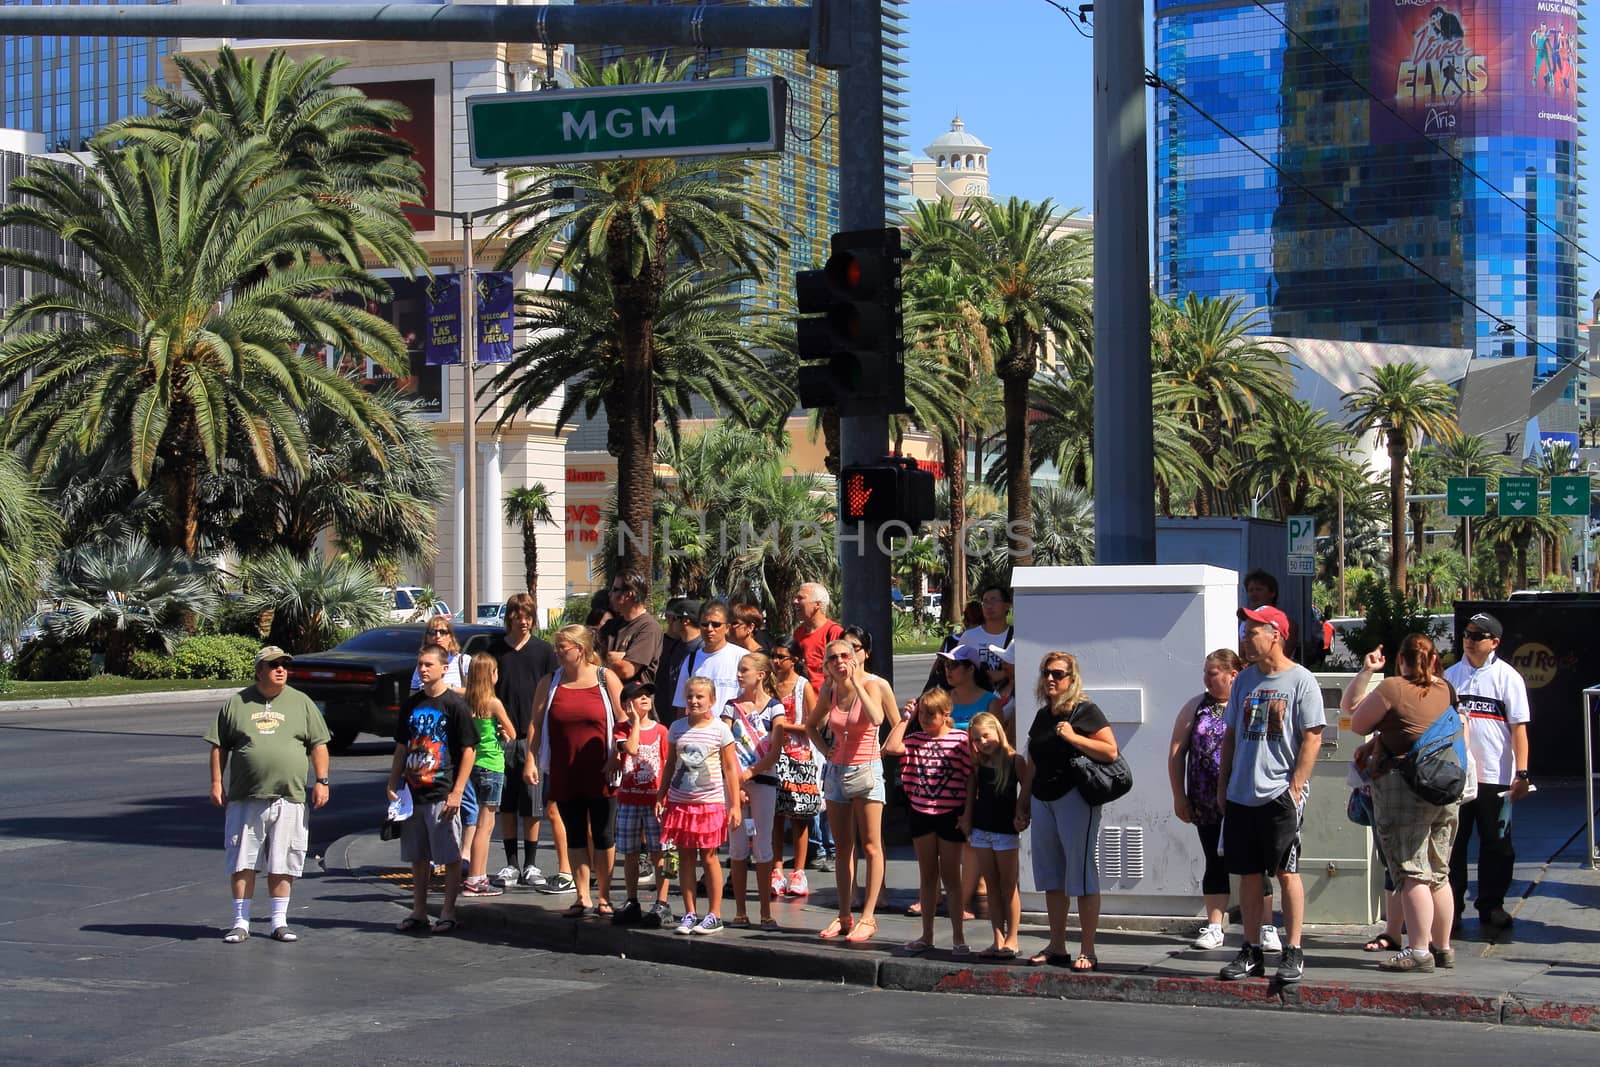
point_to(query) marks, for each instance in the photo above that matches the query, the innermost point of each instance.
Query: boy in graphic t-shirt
(641, 752)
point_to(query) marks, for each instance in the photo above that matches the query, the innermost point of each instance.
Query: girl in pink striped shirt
(935, 766)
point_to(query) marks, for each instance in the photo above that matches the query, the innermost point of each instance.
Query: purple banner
(1474, 68)
(493, 318)
(444, 320)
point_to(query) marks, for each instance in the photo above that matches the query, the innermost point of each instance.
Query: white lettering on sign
(619, 129)
(572, 126)
(666, 122)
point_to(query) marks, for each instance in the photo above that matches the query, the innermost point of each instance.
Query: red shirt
(577, 729)
(641, 774)
(814, 642)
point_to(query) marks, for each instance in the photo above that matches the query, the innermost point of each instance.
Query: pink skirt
(694, 825)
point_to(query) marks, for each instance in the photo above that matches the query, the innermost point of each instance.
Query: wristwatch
(322, 781)
(1523, 775)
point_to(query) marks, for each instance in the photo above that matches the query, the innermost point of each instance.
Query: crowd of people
(675, 745)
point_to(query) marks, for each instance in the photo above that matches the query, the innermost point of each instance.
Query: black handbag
(1101, 783)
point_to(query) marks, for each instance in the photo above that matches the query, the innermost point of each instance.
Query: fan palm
(632, 218)
(528, 506)
(339, 143)
(1402, 405)
(312, 599)
(183, 331)
(29, 530)
(1034, 280)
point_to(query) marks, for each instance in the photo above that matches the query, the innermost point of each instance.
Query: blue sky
(1021, 79)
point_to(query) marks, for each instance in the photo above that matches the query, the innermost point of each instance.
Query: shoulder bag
(1100, 783)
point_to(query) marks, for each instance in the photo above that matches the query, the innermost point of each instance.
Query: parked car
(491, 614)
(406, 604)
(360, 684)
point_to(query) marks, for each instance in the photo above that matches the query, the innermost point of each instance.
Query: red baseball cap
(1269, 615)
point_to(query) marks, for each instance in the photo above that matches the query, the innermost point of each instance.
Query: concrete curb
(797, 956)
(180, 696)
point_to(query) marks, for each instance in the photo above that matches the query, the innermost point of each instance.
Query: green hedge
(227, 656)
(49, 658)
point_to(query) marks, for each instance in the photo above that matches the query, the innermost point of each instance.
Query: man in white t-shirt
(716, 658)
(1493, 695)
(994, 630)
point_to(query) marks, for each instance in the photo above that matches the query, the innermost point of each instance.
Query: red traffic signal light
(849, 335)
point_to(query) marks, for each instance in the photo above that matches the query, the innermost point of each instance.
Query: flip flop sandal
(1382, 943)
(913, 948)
(576, 911)
(998, 954)
(413, 925)
(1084, 957)
(913, 910)
(837, 928)
(739, 922)
(961, 950)
(236, 935)
(865, 930)
(286, 935)
(1045, 958)
(446, 926)
(770, 925)
(604, 908)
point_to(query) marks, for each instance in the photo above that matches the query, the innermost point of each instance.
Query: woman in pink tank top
(844, 727)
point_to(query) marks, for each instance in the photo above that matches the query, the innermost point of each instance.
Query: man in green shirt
(262, 736)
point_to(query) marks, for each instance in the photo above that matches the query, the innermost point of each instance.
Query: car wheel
(343, 737)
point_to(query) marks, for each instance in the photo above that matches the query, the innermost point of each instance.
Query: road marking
(182, 758)
(76, 986)
(13, 844)
(305, 1034)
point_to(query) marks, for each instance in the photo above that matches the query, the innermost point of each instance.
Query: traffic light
(849, 335)
(894, 488)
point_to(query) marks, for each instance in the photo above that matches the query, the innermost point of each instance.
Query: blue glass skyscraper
(1356, 108)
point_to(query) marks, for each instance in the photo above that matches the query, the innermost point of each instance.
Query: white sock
(241, 912)
(1213, 926)
(280, 912)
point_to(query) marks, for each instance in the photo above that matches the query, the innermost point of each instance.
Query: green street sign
(1569, 495)
(714, 116)
(1466, 498)
(1519, 496)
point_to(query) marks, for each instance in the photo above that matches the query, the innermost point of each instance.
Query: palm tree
(771, 513)
(1208, 345)
(29, 533)
(128, 594)
(528, 506)
(312, 599)
(339, 143)
(1402, 405)
(1589, 432)
(1034, 279)
(1063, 530)
(633, 218)
(1468, 456)
(184, 331)
(1293, 449)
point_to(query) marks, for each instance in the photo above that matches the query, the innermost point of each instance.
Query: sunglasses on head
(1055, 674)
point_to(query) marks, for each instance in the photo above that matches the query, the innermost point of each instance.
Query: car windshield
(384, 639)
(488, 609)
(403, 599)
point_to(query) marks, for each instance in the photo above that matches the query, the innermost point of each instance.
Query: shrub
(5, 676)
(147, 664)
(207, 656)
(54, 658)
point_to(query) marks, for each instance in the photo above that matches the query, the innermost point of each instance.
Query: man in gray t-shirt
(1274, 729)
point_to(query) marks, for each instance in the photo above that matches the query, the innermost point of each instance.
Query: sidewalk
(177, 696)
(1545, 972)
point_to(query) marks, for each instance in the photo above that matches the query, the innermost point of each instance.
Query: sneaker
(709, 925)
(798, 886)
(1292, 967)
(532, 877)
(630, 914)
(480, 888)
(825, 863)
(508, 875)
(659, 915)
(561, 883)
(686, 924)
(1270, 942)
(780, 884)
(1210, 937)
(1247, 964)
(1408, 961)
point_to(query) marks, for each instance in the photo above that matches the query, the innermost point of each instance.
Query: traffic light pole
(863, 564)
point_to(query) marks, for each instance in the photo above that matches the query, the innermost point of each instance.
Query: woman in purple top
(1194, 763)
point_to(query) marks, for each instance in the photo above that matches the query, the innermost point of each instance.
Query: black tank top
(991, 812)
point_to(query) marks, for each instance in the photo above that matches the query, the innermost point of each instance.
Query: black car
(361, 684)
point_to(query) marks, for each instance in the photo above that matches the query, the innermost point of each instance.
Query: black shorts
(518, 798)
(1265, 838)
(944, 826)
(589, 821)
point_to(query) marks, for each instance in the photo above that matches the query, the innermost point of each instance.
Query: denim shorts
(833, 776)
(490, 785)
(995, 842)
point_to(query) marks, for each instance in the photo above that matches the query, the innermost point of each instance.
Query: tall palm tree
(1035, 281)
(184, 330)
(1293, 449)
(528, 507)
(339, 142)
(635, 217)
(1405, 407)
(1209, 346)
(29, 532)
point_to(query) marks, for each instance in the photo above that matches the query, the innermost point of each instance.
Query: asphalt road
(110, 952)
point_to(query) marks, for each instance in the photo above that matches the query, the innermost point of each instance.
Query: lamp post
(469, 360)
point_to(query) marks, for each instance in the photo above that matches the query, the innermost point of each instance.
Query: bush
(5, 676)
(209, 656)
(147, 664)
(54, 658)
(1390, 617)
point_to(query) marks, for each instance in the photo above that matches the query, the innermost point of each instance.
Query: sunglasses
(712, 625)
(842, 655)
(776, 658)
(854, 647)
(1055, 675)
(1477, 635)
(434, 633)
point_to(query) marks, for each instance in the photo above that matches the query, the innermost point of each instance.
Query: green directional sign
(1569, 495)
(1466, 498)
(1519, 496)
(714, 116)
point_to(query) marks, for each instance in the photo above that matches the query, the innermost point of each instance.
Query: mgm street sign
(717, 116)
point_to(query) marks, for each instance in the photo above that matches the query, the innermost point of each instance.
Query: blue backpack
(1436, 766)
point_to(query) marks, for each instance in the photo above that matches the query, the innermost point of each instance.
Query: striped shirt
(935, 771)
